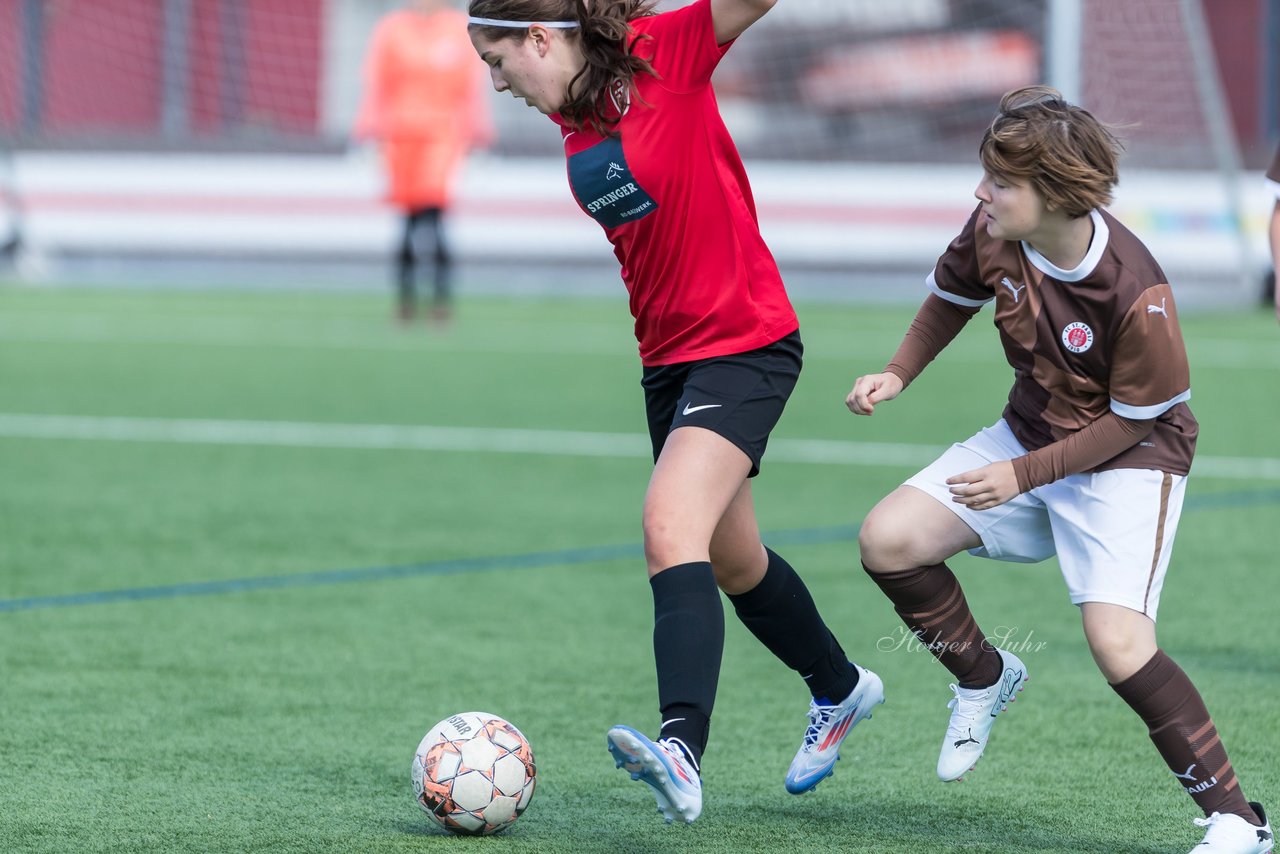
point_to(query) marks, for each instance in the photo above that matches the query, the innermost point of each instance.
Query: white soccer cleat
(973, 713)
(828, 727)
(1230, 834)
(664, 767)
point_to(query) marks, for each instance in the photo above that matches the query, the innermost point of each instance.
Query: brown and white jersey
(1103, 336)
(1273, 175)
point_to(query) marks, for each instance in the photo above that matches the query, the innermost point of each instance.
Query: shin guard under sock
(781, 613)
(929, 600)
(688, 641)
(1180, 726)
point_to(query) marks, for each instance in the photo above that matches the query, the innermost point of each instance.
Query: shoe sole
(831, 769)
(1004, 708)
(632, 753)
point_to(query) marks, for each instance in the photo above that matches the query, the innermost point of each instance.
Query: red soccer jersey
(672, 196)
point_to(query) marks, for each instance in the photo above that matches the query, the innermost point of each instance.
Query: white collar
(1097, 245)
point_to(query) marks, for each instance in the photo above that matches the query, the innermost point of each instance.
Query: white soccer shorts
(1112, 531)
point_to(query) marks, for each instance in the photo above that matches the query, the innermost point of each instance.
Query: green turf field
(233, 595)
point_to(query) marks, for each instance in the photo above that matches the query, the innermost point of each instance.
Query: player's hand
(872, 389)
(984, 488)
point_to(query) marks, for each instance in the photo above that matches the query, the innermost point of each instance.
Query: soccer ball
(474, 773)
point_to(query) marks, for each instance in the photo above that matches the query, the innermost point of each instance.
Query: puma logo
(969, 740)
(1013, 289)
(1158, 309)
(1008, 686)
(1186, 775)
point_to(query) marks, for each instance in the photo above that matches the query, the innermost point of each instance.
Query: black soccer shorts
(739, 397)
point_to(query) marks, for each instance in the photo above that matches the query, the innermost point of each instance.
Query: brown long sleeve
(935, 325)
(1081, 451)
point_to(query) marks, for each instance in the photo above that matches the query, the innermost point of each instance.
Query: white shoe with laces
(973, 713)
(664, 767)
(1230, 834)
(828, 727)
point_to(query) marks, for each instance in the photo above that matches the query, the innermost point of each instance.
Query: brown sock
(1183, 732)
(929, 600)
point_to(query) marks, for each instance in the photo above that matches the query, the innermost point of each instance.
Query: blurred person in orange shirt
(425, 103)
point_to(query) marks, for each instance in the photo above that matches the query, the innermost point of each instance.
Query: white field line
(598, 340)
(495, 440)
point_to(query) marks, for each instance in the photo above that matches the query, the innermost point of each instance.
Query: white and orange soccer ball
(474, 773)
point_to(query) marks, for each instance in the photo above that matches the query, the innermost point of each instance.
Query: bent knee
(1120, 655)
(910, 528)
(667, 542)
(891, 542)
(886, 543)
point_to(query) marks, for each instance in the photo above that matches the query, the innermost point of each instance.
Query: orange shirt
(424, 80)
(426, 102)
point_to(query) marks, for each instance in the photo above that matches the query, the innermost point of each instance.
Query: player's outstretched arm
(872, 389)
(732, 17)
(935, 325)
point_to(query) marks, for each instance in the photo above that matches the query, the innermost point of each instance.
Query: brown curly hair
(603, 32)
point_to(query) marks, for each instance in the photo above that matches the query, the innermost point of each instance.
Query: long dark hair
(604, 35)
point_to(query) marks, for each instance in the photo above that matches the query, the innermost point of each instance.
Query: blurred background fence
(217, 132)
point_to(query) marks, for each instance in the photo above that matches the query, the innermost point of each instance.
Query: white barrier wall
(815, 217)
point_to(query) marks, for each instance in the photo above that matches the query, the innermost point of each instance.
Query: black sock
(688, 641)
(781, 614)
(688, 727)
(406, 270)
(432, 221)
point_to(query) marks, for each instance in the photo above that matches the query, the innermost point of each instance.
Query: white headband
(493, 22)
